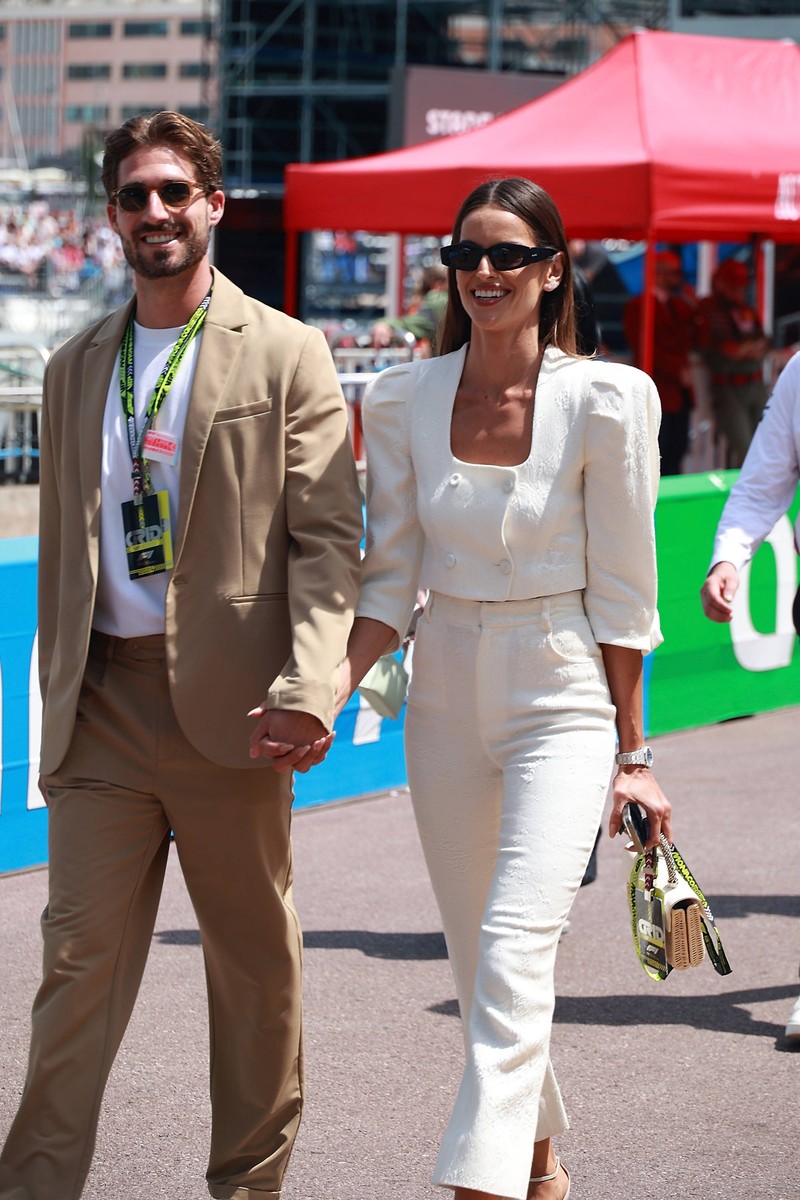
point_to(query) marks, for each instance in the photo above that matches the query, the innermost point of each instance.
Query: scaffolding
(306, 81)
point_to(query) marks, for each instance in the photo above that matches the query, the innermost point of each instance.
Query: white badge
(160, 446)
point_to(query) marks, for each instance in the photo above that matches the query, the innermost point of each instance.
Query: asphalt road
(676, 1091)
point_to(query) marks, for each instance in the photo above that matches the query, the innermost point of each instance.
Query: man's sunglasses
(504, 256)
(175, 195)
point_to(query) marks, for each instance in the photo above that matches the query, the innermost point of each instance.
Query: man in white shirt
(763, 492)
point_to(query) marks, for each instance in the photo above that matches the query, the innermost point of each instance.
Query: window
(194, 70)
(196, 29)
(89, 29)
(88, 71)
(145, 29)
(144, 71)
(128, 111)
(197, 112)
(87, 114)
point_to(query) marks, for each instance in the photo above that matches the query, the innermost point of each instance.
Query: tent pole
(290, 273)
(766, 285)
(648, 307)
(401, 273)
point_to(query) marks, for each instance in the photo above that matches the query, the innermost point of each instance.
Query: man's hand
(290, 741)
(718, 591)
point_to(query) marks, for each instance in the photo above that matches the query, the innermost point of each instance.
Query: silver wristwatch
(635, 758)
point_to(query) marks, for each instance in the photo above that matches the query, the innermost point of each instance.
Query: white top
(129, 607)
(577, 515)
(769, 476)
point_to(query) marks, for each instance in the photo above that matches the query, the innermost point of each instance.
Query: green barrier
(706, 672)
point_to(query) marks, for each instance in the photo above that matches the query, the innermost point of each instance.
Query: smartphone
(634, 822)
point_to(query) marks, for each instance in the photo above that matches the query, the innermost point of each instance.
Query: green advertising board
(706, 672)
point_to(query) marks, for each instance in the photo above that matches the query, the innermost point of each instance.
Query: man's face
(669, 277)
(733, 289)
(159, 241)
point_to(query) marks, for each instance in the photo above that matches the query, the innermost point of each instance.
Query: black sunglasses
(504, 256)
(175, 195)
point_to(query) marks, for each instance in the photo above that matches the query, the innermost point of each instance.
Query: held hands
(290, 741)
(718, 591)
(639, 785)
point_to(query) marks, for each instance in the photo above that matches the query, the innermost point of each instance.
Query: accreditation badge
(148, 535)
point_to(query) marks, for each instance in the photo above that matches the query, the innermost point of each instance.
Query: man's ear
(216, 206)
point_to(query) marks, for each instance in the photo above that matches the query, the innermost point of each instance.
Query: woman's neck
(497, 365)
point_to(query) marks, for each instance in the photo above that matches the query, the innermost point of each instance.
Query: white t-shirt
(129, 607)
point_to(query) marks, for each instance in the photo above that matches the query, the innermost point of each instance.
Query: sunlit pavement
(683, 1089)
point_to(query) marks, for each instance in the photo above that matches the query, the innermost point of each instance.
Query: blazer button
(455, 479)
(505, 566)
(508, 485)
(450, 560)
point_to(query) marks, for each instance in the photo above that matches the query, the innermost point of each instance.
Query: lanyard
(140, 472)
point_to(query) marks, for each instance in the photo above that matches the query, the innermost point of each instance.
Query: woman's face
(503, 300)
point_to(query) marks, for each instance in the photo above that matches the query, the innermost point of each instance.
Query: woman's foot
(553, 1186)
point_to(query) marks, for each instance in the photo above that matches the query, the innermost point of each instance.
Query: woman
(516, 481)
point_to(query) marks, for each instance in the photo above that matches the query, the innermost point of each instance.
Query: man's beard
(166, 263)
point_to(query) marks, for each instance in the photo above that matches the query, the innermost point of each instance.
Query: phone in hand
(634, 822)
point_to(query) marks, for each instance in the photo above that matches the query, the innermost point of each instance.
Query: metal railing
(22, 362)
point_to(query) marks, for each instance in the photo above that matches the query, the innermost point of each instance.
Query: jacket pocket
(240, 411)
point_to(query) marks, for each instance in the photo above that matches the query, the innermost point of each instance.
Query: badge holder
(148, 536)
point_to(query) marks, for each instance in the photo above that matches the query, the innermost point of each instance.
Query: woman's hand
(638, 785)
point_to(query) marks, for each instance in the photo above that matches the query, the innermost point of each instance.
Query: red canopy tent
(669, 136)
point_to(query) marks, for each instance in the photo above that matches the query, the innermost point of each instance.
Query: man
(673, 342)
(199, 538)
(763, 492)
(732, 342)
(423, 318)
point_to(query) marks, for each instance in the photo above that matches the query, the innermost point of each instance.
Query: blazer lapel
(98, 366)
(222, 341)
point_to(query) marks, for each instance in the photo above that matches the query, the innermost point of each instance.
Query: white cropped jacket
(576, 515)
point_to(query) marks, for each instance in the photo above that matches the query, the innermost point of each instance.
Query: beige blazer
(262, 593)
(576, 515)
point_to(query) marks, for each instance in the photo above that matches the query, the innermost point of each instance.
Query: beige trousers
(510, 744)
(129, 778)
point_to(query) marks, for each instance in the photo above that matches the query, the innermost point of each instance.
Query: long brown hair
(537, 209)
(186, 137)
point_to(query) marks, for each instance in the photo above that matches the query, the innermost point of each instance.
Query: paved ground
(677, 1090)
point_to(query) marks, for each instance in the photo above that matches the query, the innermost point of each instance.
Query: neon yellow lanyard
(140, 468)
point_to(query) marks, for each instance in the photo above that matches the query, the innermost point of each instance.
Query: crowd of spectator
(54, 251)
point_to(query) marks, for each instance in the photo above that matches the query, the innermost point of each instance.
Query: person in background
(763, 492)
(732, 342)
(673, 342)
(516, 480)
(198, 569)
(423, 318)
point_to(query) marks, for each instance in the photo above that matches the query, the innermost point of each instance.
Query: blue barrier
(367, 755)
(23, 819)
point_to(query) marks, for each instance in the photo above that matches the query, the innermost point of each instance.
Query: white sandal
(549, 1178)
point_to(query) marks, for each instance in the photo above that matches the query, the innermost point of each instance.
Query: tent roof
(672, 135)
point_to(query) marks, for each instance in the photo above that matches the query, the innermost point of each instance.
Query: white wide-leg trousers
(510, 744)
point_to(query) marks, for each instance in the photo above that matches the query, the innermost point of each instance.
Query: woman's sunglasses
(175, 195)
(504, 256)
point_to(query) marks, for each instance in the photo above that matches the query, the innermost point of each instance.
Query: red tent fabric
(672, 136)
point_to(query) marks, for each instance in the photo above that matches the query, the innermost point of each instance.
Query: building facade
(70, 71)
